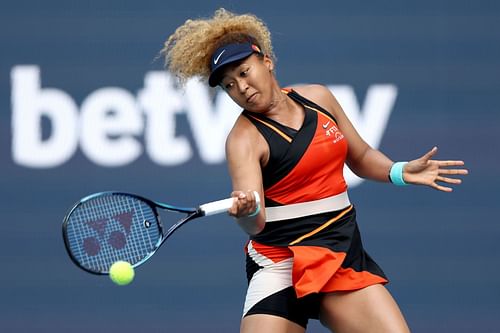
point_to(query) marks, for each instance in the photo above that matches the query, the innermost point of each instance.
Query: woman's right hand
(244, 204)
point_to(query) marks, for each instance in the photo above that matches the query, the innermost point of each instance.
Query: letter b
(29, 104)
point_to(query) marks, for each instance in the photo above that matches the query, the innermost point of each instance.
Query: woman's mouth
(251, 99)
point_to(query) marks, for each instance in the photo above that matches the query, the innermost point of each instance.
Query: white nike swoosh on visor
(218, 57)
(326, 125)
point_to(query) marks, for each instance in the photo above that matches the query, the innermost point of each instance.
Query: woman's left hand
(424, 171)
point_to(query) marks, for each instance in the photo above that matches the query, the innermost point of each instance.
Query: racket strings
(106, 229)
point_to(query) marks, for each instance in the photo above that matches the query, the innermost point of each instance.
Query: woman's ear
(269, 63)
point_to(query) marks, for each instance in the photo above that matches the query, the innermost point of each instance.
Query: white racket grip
(221, 206)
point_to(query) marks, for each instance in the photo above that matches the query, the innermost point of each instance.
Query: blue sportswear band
(257, 211)
(396, 174)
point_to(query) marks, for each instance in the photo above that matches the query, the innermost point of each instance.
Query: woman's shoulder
(244, 140)
(314, 92)
(242, 132)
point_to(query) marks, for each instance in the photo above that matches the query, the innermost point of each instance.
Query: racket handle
(221, 206)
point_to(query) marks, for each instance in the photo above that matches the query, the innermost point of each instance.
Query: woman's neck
(284, 110)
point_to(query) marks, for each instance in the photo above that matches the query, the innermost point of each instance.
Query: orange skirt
(325, 253)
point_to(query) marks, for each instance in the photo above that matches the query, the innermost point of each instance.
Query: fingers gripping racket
(105, 227)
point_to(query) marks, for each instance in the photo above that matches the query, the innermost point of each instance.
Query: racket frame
(191, 212)
(207, 209)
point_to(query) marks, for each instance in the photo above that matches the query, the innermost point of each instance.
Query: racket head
(105, 227)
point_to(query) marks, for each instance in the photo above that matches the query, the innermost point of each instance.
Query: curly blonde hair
(189, 49)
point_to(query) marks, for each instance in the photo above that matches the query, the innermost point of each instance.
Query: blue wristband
(396, 174)
(257, 211)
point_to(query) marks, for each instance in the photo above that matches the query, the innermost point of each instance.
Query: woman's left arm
(370, 163)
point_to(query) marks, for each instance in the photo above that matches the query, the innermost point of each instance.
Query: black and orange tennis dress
(311, 243)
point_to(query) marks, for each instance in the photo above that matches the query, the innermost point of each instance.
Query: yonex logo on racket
(116, 239)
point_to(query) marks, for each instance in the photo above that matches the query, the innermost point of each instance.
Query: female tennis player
(305, 258)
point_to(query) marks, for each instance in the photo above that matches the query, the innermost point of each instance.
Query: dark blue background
(439, 250)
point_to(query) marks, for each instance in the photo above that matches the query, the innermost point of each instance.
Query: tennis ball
(121, 273)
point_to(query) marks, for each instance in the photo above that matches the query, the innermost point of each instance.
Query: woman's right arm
(244, 153)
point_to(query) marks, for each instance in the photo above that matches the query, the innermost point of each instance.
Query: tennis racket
(105, 227)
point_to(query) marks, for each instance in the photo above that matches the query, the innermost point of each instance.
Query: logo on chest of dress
(333, 132)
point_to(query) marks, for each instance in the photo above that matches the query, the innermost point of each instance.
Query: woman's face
(249, 82)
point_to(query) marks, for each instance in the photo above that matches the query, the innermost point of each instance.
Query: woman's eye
(228, 86)
(244, 73)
